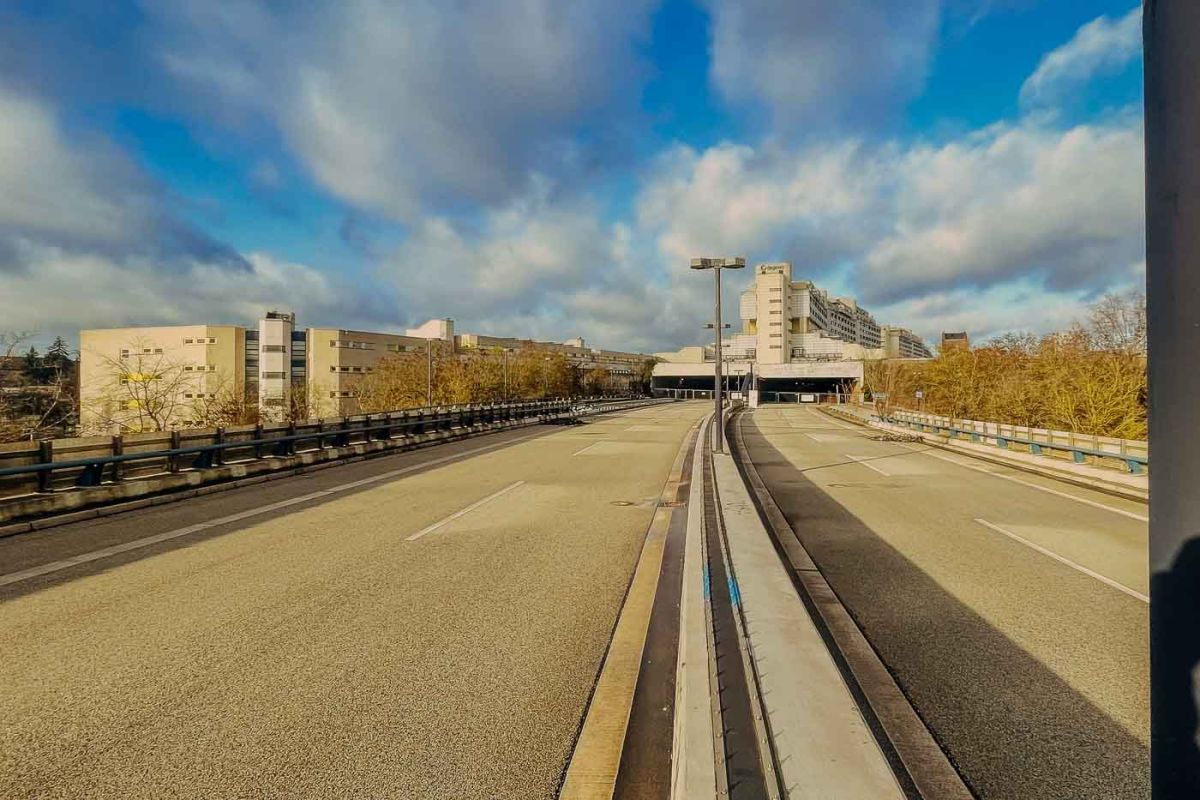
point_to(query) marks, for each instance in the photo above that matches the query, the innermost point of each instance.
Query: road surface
(1011, 608)
(434, 632)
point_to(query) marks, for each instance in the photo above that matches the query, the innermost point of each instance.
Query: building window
(188, 341)
(277, 376)
(274, 348)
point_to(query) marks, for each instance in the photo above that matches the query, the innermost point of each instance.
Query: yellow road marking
(592, 773)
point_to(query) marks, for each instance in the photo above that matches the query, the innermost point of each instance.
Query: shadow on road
(1013, 728)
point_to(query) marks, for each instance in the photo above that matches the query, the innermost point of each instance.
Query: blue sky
(543, 169)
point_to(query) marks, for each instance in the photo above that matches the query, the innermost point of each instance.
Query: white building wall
(275, 361)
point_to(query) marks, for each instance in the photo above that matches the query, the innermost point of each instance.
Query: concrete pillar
(1171, 29)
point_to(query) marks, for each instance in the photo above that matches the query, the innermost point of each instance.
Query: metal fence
(1133, 453)
(53, 464)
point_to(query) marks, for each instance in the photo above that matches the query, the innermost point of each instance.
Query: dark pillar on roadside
(1172, 60)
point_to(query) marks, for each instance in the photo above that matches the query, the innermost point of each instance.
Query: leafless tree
(1117, 323)
(143, 391)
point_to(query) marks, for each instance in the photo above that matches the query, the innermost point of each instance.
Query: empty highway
(1011, 608)
(425, 625)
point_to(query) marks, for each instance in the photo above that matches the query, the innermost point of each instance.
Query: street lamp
(716, 265)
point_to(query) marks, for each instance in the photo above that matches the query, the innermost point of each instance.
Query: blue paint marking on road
(707, 585)
(735, 594)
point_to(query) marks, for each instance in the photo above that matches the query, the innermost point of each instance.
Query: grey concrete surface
(318, 653)
(1032, 673)
(823, 745)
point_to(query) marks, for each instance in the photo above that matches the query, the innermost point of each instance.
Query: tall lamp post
(716, 265)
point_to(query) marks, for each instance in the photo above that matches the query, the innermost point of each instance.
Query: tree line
(1090, 379)
(38, 391)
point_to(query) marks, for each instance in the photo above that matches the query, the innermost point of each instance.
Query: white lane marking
(463, 512)
(864, 460)
(1047, 489)
(584, 450)
(95, 555)
(1103, 579)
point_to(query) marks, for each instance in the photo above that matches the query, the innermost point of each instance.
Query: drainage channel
(746, 764)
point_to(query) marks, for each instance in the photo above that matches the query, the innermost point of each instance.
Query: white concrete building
(795, 337)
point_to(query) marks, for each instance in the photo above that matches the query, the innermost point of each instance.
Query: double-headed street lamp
(716, 265)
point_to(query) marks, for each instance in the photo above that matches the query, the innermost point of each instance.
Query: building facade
(179, 371)
(955, 340)
(793, 334)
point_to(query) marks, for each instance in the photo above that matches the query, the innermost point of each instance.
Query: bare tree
(1117, 323)
(144, 390)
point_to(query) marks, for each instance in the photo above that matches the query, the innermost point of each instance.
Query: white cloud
(86, 240)
(981, 219)
(813, 62)
(1102, 46)
(1065, 207)
(397, 106)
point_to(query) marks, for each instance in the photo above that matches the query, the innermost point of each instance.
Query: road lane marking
(1103, 579)
(1047, 489)
(463, 512)
(864, 460)
(95, 555)
(584, 450)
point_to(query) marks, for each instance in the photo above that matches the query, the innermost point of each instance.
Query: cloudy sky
(546, 169)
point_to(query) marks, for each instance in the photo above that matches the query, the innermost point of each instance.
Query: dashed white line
(124, 547)
(584, 450)
(1091, 573)
(463, 512)
(865, 461)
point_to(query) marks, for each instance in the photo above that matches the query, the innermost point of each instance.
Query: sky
(543, 169)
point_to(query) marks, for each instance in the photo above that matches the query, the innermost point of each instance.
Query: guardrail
(54, 464)
(1134, 454)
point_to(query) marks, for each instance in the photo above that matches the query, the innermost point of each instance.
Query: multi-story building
(314, 371)
(793, 334)
(339, 359)
(170, 369)
(902, 343)
(954, 340)
(624, 369)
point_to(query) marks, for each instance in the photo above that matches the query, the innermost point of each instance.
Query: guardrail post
(118, 449)
(258, 435)
(45, 456)
(173, 459)
(218, 455)
(320, 434)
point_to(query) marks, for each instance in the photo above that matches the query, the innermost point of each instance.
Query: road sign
(920, 394)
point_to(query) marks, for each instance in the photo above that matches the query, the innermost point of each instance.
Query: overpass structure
(599, 609)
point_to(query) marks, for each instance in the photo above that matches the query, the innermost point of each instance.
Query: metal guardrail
(1133, 453)
(70, 463)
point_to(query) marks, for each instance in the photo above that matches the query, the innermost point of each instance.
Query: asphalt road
(432, 635)
(1010, 609)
